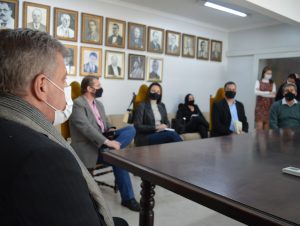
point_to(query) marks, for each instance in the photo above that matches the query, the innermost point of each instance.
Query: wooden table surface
(239, 176)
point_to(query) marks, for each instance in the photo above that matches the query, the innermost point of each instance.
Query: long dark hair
(148, 91)
(265, 69)
(186, 99)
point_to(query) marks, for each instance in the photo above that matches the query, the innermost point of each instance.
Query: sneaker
(132, 204)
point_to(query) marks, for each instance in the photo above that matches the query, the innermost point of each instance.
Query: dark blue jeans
(124, 136)
(163, 137)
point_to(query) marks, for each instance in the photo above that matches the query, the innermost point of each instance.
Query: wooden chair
(220, 94)
(100, 169)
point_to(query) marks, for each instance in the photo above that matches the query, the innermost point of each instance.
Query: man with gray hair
(36, 23)
(43, 180)
(64, 29)
(6, 19)
(285, 113)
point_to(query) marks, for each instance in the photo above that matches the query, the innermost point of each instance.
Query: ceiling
(196, 11)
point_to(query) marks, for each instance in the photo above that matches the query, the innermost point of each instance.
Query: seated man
(227, 113)
(88, 125)
(43, 182)
(285, 113)
(291, 79)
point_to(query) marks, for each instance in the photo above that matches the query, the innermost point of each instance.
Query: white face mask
(268, 76)
(60, 116)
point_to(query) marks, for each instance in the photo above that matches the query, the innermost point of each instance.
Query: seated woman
(151, 121)
(191, 118)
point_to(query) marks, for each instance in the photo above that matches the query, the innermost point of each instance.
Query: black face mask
(191, 102)
(289, 96)
(230, 94)
(99, 92)
(154, 96)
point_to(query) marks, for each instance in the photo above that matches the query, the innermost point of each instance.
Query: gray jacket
(86, 135)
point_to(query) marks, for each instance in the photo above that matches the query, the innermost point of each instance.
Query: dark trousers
(163, 137)
(119, 222)
(196, 125)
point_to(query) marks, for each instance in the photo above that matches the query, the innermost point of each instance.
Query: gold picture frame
(90, 61)
(10, 7)
(173, 43)
(188, 45)
(115, 33)
(114, 65)
(136, 36)
(156, 38)
(91, 29)
(71, 60)
(136, 67)
(65, 24)
(36, 16)
(216, 50)
(155, 69)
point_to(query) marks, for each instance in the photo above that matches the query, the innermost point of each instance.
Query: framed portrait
(114, 64)
(156, 37)
(136, 36)
(90, 61)
(155, 69)
(91, 29)
(115, 33)
(136, 67)
(173, 41)
(216, 50)
(188, 45)
(71, 60)
(9, 14)
(36, 16)
(65, 24)
(203, 48)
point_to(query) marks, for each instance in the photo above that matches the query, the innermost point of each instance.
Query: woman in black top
(191, 118)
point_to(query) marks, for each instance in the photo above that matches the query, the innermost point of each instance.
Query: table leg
(147, 203)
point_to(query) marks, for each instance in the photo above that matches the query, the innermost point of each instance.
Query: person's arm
(273, 116)
(217, 125)
(138, 120)
(243, 118)
(201, 116)
(258, 92)
(165, 119)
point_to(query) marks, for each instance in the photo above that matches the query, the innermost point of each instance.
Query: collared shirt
(284, 102)
(234, 115)
(97, 115)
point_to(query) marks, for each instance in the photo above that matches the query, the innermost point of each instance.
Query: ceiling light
(225, 9)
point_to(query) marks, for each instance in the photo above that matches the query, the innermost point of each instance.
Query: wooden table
(239, 176)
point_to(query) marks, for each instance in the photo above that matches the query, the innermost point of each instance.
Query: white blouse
(264, 93)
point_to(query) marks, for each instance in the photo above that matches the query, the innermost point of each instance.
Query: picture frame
(10, 10)
(90, 61)
(91, 29)
(173, 43)
(155, 69)
(136, 67)
(203, 48)
(114, 65)
(71, 60)
(216, 50)
(188, 45)
(115, 33)
(36, 16)
(136, 36)
(65, 24)
(156, 37)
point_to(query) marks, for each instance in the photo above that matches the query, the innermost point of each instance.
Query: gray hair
(289, 85)
(24, 54)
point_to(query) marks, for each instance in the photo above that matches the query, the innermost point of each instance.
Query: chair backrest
(141, 96)
(75, 92)
(220, 94)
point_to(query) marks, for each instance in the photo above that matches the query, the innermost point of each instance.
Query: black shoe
(132, 204)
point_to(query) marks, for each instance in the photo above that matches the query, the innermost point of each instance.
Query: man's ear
(40, 87)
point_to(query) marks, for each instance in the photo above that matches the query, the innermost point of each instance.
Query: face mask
(98, 92)
(230, 94)
(268, 76)
(191, 102)
(60, 116)
(154, 96)
(289, 96)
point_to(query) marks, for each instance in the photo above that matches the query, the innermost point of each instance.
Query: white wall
(245, 50)
(181, 75)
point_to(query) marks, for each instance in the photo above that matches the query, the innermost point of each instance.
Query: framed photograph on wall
(9, 14)
(173, 41)
(202, 48)
(155, 69)
(65, 24)
(71, 60)
(114, 64)
(91, 29)
(90, 61)
(115, 33)
(36, 16)
(188, 45)
(216, 50)
(136, 36)
(156, 37)
(136, 67)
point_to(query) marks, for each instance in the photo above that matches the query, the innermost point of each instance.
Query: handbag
(129, 114)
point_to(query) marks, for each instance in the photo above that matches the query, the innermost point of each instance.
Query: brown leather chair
(220, 94)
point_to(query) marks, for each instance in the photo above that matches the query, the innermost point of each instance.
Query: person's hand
(113, 144)
(161, 127)
(273, 94)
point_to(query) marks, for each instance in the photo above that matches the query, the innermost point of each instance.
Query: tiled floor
(170, 209)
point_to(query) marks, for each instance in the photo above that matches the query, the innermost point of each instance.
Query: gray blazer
(144, 121)
(86, 135)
